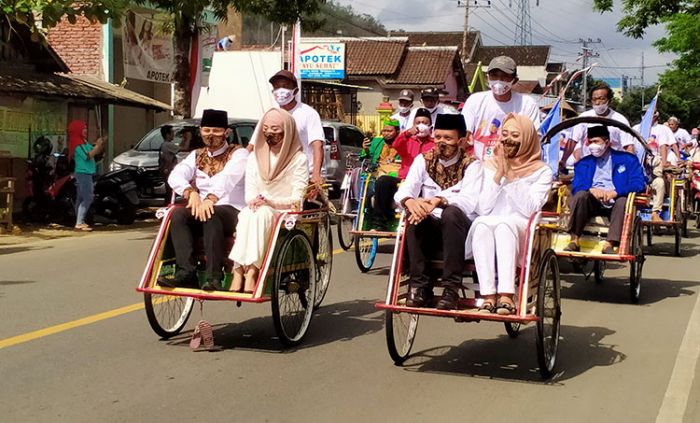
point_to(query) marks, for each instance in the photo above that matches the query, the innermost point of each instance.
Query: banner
(322, 61)
(148, 54)
(550, 152)
(201, 55)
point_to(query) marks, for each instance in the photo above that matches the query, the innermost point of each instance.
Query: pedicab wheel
(294, 288)
(512, 329)
(324, 259)
(548, 313)
(685, 226)
(400, 333)
(649, 235)
(365, 252)
(167, 314)
(637, 265)
(345, 238)
(599, 271)
(677, 243)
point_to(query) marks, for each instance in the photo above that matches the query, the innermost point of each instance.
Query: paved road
(616, 360)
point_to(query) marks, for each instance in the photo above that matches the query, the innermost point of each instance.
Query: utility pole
(586, 53)
(642, 79)
(468, 4)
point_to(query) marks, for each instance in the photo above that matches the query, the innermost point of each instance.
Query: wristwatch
(443, 202)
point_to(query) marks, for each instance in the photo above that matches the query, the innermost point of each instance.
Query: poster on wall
(148, 53)
(28, 121)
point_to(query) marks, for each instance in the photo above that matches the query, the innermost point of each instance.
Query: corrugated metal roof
(74, 87)
(523, 55)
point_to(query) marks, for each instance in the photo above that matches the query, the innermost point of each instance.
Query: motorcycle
(50, 186)
(116, 196)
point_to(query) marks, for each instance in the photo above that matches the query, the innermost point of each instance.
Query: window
(329, 133)
(245, 134)
(350, 136)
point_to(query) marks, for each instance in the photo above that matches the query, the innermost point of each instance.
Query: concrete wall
(529, 73)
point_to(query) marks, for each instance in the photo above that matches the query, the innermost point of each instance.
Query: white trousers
(659, 187)
(495, 245)
(252, 235)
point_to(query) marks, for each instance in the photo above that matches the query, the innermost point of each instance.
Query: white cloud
(553, 22)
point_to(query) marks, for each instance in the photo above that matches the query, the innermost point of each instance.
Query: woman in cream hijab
(516, 184)
(277, 175)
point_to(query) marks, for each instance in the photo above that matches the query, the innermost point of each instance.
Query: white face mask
(404, 109)
(500, 87)
(423, 130)
(600, 109)
(597, 150)
(283, 96)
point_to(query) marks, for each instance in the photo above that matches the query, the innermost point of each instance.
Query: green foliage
(50, 12)
(641, 14)
(343, 20)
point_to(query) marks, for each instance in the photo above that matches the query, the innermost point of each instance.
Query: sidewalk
(28, 232)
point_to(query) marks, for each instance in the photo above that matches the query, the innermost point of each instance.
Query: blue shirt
(602, 178)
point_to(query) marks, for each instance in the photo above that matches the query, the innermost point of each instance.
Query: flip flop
(505, 309)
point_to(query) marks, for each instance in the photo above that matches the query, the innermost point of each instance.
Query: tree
(48, 13)
(641, 14)
(185, 16)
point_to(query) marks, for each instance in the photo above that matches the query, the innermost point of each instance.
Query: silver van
(341, 139)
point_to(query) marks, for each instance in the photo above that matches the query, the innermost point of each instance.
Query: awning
(334, 84)
(74, 87)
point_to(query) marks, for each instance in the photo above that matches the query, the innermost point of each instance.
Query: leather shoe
(213, 283)
(419, 297)
(449, 300)
(182, 279)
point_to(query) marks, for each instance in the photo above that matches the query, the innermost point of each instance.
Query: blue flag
(550, 152)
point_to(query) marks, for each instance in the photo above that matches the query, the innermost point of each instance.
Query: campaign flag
(550, 152)
(294, 53)
(648, 119)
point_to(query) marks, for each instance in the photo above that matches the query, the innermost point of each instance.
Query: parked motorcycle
(51, 188)
(116, 196)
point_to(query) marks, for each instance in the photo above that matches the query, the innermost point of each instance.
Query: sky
(559, 23)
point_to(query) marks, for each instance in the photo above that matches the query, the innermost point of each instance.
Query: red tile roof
(426, 66)
(375, 56)
(523, 55)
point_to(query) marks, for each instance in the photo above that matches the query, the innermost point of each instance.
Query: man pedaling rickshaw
(602, 181)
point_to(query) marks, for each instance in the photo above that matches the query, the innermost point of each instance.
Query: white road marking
(675, 400)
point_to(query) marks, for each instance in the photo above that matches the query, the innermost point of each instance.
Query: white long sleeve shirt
(228, 185)
(419, 184)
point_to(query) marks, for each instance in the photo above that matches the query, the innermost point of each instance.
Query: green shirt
(83, 163)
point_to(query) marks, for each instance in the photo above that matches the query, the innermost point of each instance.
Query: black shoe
(449, 300)
(182, 279)
(419, 297)
(213, 283)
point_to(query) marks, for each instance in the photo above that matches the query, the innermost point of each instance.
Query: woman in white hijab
(276, 179)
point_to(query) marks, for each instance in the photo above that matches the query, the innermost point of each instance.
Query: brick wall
(79, 45)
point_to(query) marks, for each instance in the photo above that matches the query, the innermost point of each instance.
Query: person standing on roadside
(85, 170)
(167, 158)
(405, 110)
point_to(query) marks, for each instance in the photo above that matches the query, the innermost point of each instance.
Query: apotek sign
(322, 61)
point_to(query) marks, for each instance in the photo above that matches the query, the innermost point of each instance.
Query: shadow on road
(21, 249)
(331, 323)
(616, 289)
(580, 349)
(665, 249)
(7, 283)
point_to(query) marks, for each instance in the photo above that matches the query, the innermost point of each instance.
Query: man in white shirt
(484, 112)
(212, 180)
(601, 95)
(439, 195)
(311, 135)
(405, 110)
(682, 136)
(429, 97)
(666, 154)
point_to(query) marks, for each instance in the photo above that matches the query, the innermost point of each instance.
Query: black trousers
(585, 206)
(384, 189)
(184, 228)
(431, 236)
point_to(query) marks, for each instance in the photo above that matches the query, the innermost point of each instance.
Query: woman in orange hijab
(276, 178)
(516, 184)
